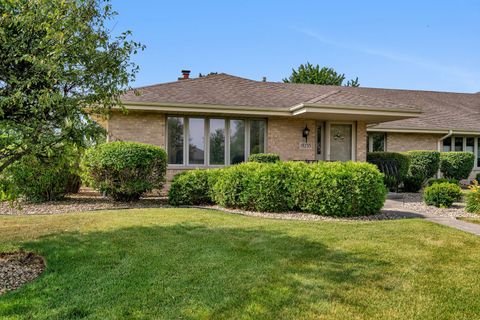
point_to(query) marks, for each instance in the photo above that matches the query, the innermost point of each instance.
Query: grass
(199, 264)
(473, 220)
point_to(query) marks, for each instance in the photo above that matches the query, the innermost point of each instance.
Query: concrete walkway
(469, 227)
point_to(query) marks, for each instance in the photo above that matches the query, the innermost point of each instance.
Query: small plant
(456, 165)
(442, 180)
(473, 198)
(126, 170)
(264, 157)
(442, 195)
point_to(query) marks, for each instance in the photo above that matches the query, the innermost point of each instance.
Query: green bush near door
(423, 166)
(393, 165)
(456, 165)
(264, 157)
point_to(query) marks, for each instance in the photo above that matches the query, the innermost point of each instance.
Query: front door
(341, 142)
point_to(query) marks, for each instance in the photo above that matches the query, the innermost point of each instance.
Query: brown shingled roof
(442, 110)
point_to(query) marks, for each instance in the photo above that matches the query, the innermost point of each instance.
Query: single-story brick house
(220, 119)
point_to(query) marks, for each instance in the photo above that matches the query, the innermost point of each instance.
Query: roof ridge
(182, 81)
(322, 96)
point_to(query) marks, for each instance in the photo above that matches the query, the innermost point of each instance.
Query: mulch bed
(18, 268)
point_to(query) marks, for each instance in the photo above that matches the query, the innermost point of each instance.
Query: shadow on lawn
(188, 271)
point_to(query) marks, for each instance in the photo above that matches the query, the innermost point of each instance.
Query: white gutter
(439, 142)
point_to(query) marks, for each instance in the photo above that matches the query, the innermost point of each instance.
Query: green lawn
(473, 220)
(199, 264)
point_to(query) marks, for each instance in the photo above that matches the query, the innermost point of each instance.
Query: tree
(59, 66)
(309, 73)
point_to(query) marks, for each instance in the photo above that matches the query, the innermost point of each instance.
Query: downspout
(439, 142)
(439, 145)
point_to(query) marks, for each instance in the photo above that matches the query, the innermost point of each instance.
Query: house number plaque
(305, 146)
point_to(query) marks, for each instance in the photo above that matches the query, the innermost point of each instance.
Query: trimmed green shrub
(442, 195)
(40, 179)
(335, 188)
(193, 187)
(473, 198)
(393, 165)
(442, 180)
(423, 166)
(264, 157)
(456, 165)
(126, 170)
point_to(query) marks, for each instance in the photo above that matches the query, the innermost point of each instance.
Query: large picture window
(175, 140)
(213, 141)
(217, 141)
(196, 141)
(257, 136)
(376, 142)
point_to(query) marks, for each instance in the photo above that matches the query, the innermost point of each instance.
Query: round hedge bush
(335, 189)
(126, 170)
(40, 179)
(456, 165)
(193, 187)
(264, 157)
(442, 195)
(423, 166)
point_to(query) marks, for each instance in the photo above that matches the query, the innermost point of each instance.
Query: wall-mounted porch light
(306, 132)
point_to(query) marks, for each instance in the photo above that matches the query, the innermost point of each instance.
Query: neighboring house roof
(441, 110)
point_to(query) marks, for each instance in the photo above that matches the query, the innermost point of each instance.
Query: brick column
(361, 151)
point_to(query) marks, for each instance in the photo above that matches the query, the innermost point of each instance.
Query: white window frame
(206, 119)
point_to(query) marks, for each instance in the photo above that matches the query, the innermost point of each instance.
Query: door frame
(327, 131)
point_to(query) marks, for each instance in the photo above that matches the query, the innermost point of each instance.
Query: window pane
(447, 145)
(175, 140)
(470, 144)
(478, 152)
(458, 144)
(237, 141)
(378, 142)
(319, 142)
(257, 136)
(196, 141)
(217, 141)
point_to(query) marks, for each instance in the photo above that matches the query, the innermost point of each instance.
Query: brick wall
(285, 136)
(400, 142)
(146, 127)
(361, 152)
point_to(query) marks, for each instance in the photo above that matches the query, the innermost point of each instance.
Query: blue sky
(426, 45)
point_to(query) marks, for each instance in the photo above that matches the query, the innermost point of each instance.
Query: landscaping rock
(18, 268)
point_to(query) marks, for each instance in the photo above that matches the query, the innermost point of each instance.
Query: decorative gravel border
(78, 203)
(18, 268)
(401, 206)
(414, 202)
(385, 214)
